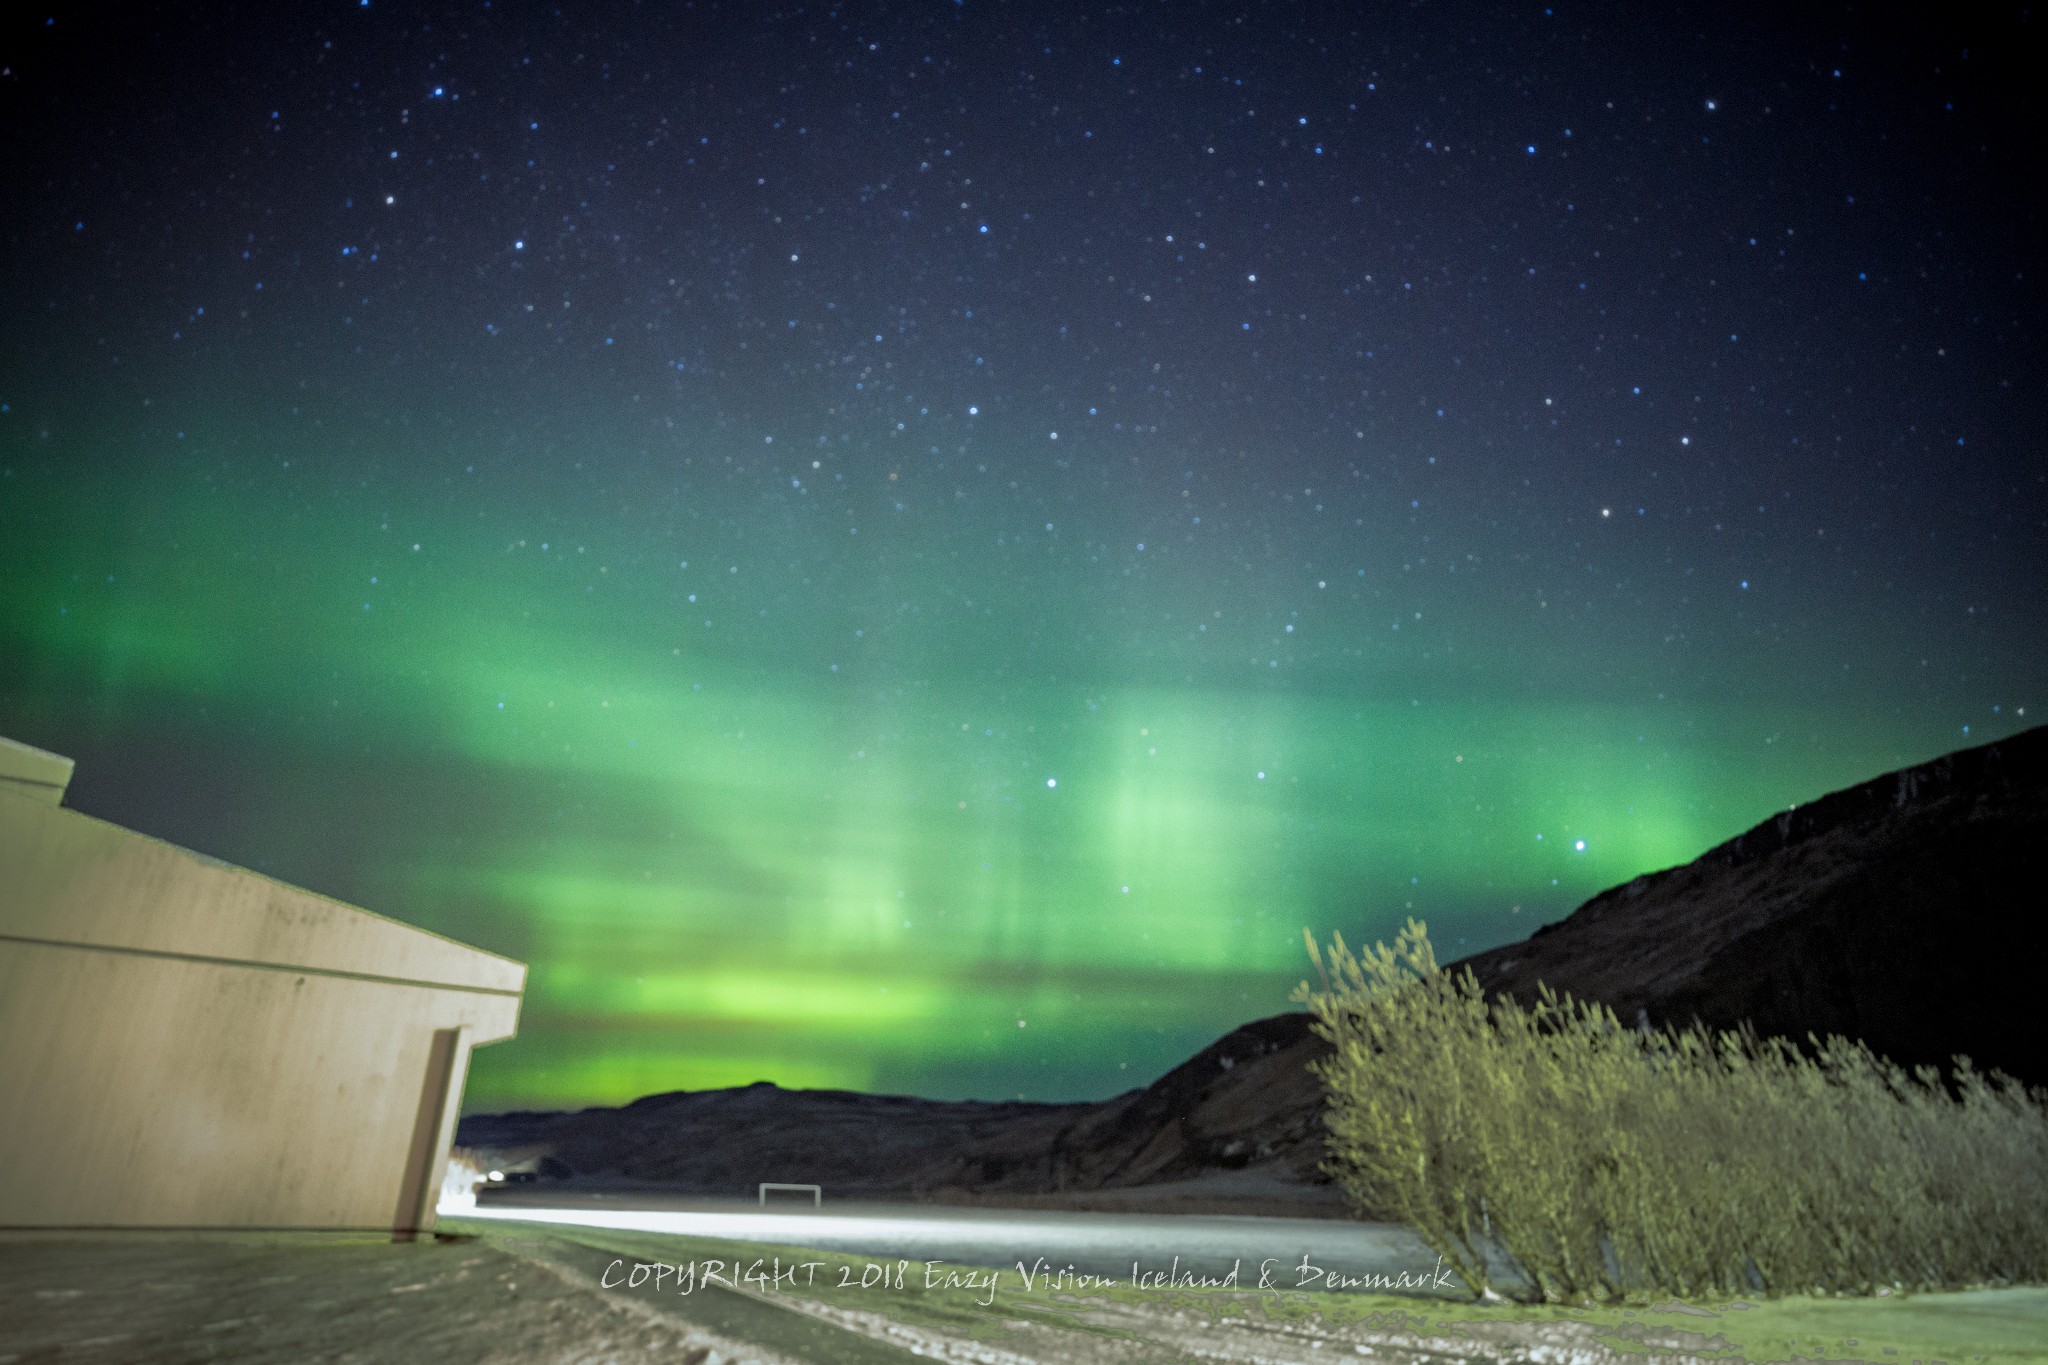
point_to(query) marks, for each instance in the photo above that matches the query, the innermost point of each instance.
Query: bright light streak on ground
(1292, 1253)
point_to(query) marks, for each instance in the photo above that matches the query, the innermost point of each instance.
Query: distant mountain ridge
(1244, 1109)
(1850, 914)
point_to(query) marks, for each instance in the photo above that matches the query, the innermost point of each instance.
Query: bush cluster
(1609, 1163)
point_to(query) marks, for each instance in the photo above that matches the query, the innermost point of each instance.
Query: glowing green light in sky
(878, 837)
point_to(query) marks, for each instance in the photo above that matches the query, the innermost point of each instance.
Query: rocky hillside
(1894, 911)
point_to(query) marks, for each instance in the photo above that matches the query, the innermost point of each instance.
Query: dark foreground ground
(512, 1293)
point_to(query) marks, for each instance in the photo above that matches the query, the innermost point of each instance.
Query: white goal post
(816, 1192)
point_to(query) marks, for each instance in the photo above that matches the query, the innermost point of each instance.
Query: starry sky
(916, 547)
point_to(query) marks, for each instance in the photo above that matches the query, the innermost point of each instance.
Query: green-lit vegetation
(1617, 1164)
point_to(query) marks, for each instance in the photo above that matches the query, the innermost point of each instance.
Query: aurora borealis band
(917, 547)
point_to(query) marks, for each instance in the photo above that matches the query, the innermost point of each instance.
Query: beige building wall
(189, 1044)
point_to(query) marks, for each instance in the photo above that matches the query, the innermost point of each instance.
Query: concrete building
(188, 1044)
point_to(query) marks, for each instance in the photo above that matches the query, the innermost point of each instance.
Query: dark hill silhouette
(1893, 911)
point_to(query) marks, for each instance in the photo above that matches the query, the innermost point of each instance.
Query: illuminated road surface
(1290, 1253)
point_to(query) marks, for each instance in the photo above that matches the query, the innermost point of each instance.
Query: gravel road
(522, 1294)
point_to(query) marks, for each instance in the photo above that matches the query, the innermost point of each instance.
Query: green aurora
(740, 838)
(917, 548)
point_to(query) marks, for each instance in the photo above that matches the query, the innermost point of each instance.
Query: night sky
(916, 547)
